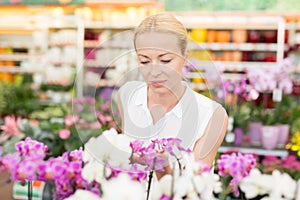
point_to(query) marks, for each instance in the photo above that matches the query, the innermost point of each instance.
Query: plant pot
(253, 36)
(255, 133)
(239, 36)
(6, 186)
(211, 36)
(223, 36)
(239, 133)
(269, 136)
(284, 130)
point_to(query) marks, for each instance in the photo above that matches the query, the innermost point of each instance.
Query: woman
(163, 105)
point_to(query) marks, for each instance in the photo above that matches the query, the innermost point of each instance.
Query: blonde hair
(164, 23)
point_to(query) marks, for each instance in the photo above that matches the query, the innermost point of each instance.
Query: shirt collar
(140, 96)
(140, 99)
(177, 110)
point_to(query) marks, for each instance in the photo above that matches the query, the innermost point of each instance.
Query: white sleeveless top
(186, 121)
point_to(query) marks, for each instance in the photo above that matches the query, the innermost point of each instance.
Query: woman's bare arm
(207, 146)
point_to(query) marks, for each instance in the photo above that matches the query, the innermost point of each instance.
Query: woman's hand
(138, 158)
(141, 159)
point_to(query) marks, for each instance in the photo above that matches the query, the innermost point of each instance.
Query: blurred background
(58, 57)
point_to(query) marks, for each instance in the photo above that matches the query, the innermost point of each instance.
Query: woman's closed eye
(166, 61)
(144, 62)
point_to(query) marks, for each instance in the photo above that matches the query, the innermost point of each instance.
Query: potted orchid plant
(274, 81)
(237, 94)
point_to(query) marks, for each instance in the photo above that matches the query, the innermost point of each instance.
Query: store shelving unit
(65, 35)
(102, 54)
(26, 42)
(21, 45)
(210, 22)
(103, 48)
(294, 42)
(220, 23)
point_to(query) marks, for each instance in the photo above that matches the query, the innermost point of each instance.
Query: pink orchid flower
(11, 126)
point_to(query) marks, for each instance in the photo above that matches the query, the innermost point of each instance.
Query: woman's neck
(167, 100)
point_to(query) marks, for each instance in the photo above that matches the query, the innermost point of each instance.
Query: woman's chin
(158, 89)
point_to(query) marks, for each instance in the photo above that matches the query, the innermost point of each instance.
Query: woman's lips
(159, 83)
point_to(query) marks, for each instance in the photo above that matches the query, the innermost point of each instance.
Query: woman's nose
(156, 70)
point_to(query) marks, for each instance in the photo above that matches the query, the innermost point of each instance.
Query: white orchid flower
(183, 187)
(110, 147)
(283, 185)
(123, 188)
(83, 194)
(276, 185)
(256, 184)
(95, 171)
(163, 186)
(212, 184)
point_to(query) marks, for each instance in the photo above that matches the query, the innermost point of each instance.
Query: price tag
(21, 191)
(253, 47)
(277, 95)
(262, 47)
(229, 46)
(215, 46)
(230, 137)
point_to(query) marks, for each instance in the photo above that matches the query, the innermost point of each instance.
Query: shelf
(230, 26)
(62, 44)
(97, 44)
(235, 46)
(276, 152)
(203, 46)
(237, 66)
(92, 44)
(17, 56)
(228, 22)
(15, 70)
(27, 45)
(13, 29)
(95, 63)
(103, 25)
(118, 2)
(231, 76)
(105, 83)
(61, 63)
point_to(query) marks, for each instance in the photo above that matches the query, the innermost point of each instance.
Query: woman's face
(160, 60)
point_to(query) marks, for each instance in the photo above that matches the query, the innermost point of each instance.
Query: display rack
(259, 151)
(101, 56)
(21, 45)
(25, 45)
(213, 22)
(68, 35)
(294, 42)
(228, 24)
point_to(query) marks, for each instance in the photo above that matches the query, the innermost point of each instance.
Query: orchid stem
(29, 192)
(179, 165)
(150, 179)
(149, 184)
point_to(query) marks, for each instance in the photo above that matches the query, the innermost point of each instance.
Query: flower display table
(255, 150)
